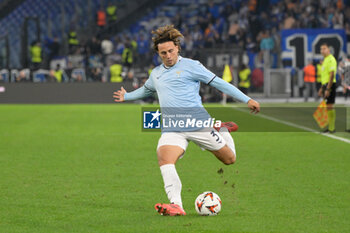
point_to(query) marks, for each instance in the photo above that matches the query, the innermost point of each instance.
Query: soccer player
(176, 82)
(328, 80)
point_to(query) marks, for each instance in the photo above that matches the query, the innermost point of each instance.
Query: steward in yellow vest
(227, 75)
(244, 77)
(111, 13)
(116, 71)
(72, 38)
(36, 55)
(58, 75)
(73, 41)
(127, 55)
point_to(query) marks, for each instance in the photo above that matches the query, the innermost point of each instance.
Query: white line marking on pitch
(298, 126)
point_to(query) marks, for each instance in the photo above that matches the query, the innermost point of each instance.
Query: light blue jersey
(178, 86)
(178, 91)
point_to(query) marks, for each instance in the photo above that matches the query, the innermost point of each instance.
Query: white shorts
(210, 140)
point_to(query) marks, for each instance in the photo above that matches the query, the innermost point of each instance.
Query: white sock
(172, 183)
(228, 138)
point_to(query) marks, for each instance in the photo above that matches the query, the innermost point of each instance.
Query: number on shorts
(214, 134)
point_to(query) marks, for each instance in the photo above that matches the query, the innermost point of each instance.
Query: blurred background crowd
(110, 40)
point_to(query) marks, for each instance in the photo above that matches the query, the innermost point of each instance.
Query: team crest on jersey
(178, 73)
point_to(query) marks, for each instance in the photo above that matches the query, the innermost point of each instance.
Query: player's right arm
(146, 90)
(140, 93)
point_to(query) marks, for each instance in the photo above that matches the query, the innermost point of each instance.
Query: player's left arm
(233, 91)
(202, 74)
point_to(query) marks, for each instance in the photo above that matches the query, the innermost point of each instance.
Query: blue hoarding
(299, 45)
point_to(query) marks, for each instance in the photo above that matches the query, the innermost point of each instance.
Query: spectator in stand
(101, 18)
(233, 31)
(94, 46)
(143, 48)
(188, 46)
(246, 8)
(22, 77)
(119, 45)
(233, 17)
(177, 20)
(241, 37)
(289, 21)
(255, 26)
(347, 12)
(210, 36)
(338, 20)
(50, 78)
(106, 48)
(213, 9)
(322, 21)
(243, 22)
(267, 42)
(130, 78)
(197, 36)
(265, 20)
(251, 45)
(275, 35)
(54, 49)
(227, 11)
(76, 77)
(111, 13)
(96, 75)
(219, 25)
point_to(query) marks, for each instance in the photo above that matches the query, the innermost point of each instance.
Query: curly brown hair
(165, 34)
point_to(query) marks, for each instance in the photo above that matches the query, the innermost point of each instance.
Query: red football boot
(231, 126)
(169, 209)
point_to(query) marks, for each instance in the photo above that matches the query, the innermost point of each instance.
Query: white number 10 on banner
(298, 47)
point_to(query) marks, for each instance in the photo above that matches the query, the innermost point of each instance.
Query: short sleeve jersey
(329, 64)
(178, 86)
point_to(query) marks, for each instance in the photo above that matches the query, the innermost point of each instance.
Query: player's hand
(254, 106)
(320, 94)
(327, 93)
(119, 95)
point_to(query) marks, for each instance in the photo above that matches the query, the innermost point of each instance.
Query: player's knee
(162, 159)
(162, 162)
(168, 154)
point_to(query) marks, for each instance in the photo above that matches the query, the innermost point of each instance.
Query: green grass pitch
(90, 168)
